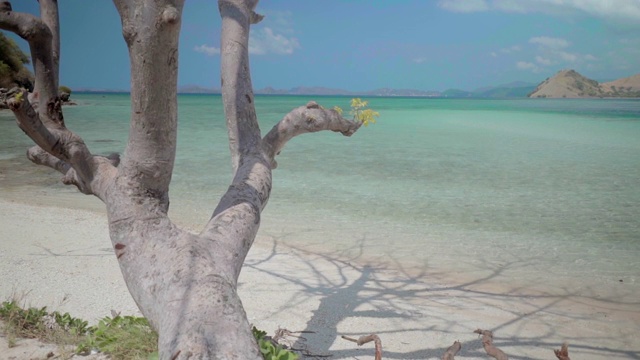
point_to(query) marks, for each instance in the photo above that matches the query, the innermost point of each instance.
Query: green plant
(122, 337)
(64, 89)
(271, 351)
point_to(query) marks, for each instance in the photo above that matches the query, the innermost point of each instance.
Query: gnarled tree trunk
(184, 283)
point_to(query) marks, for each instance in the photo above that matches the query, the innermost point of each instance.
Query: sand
(62, 258)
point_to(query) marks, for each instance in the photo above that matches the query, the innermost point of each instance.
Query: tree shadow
(419, 318)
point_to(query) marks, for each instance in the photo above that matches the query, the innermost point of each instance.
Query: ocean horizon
(540, 193)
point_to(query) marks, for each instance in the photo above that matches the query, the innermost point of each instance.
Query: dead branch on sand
(563, 353)
(452, 351)
(365, 339)
(487, 343)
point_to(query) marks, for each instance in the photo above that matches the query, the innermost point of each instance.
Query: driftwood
(452, 351)
(366, 339)
(487, 343)
(563, 353)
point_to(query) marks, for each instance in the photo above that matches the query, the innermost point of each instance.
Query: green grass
(121, 337)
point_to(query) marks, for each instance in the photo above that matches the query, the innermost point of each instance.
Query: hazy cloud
(419, 60)
(627, 11)
(543, 61)
(549, 42)
(208, 50)
(464, 6)
(551, 51)
(511, 49)
(523, 65)
(266, 41)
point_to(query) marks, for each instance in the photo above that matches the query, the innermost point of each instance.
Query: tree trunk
(184, 284)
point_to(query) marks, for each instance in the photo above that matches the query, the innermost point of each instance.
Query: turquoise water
(523, 190)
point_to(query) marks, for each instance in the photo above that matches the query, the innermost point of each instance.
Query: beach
(515, 216)
(61, 257)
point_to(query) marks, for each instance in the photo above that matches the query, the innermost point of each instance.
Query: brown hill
(627, 87)
(567, 84)
(570, 84)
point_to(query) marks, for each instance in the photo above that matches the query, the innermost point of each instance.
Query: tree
(184, 283)
(12, 61)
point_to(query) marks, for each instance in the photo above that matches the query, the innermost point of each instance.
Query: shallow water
(537, 193)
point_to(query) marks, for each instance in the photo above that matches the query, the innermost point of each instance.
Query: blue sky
(368, 44)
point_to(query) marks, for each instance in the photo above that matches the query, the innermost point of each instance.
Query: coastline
(60, 257)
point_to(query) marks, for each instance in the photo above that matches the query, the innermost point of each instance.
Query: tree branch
(487, 343)
(60, 148)
(366, 339)
(152, 34)
(237, 91)
(302, 120)
(49, 15)
(39, 36)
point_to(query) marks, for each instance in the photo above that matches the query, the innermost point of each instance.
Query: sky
(368, 44)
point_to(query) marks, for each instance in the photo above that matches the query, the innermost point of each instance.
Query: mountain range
(515, 89)
(564, 84)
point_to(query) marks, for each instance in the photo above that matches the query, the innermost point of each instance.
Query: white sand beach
(62, 258)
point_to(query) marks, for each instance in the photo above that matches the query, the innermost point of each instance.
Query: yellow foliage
(338, 109)
(358, 111)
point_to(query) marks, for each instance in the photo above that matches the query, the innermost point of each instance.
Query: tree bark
(184, 283)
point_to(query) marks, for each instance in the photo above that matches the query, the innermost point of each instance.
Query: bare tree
(184, 283)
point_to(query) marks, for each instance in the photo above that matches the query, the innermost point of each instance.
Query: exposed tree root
(365, 339)
(563, 353)
(487, 343)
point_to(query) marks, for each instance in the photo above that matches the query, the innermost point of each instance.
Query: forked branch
(57, 147)
(39, 37)
(305, 119)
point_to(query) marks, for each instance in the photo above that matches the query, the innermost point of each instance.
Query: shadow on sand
(419, 318)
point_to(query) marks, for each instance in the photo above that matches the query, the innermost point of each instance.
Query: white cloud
(493, 53)
(627, 11)
(511, 49)
(523, 65)
(551, 51)
(568, 57)
(209, 50)
(464, 6)
(419, 60)
(549, 42)
(543, 61)
(266, 41)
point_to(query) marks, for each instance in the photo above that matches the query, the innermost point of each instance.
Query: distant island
(570, 84)
(515, 89)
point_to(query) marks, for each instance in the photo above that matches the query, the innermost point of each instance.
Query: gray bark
(184, 283)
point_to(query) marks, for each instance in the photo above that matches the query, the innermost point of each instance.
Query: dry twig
(563, 353)
(487, 343)
(369, 338)
(452, 351)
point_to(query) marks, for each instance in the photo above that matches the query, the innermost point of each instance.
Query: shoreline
(417, 316)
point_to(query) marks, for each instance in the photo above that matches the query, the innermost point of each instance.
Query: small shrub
(122, 337)
(64, 89)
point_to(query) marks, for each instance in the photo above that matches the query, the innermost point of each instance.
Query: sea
(535, 193)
